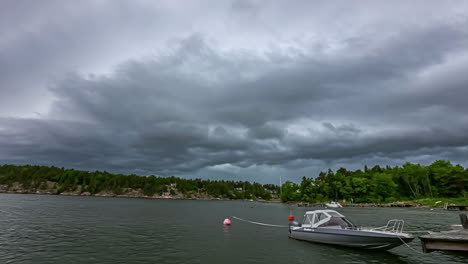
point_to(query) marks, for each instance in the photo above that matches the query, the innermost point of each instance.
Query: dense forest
(32, 179)
(376, 185)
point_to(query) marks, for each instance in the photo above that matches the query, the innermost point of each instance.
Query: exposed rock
(105, 194)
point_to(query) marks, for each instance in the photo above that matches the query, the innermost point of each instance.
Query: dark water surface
(64, 229)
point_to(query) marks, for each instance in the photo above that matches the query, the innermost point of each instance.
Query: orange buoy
(291, 218)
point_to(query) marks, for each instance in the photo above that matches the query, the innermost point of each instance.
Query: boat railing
(393, 226)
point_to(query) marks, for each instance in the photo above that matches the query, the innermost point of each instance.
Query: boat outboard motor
(295, 223)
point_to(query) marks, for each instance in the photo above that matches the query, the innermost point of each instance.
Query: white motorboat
(331, 227)
(333, 204)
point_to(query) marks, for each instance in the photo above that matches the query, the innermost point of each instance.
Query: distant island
(410, 182)
(53, 180)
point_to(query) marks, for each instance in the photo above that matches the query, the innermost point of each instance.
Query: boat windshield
(338, 221)
(334, 214)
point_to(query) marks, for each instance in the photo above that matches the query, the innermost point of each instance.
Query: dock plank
(457, 207)
(456, 240)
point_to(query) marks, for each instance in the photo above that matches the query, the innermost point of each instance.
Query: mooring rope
(257, 223)
(409, 245)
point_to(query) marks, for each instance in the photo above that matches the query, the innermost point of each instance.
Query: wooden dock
(457, 207)
(455, 240)
(451, 240)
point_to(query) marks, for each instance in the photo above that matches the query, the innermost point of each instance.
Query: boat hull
(350, 238)
(333, 205)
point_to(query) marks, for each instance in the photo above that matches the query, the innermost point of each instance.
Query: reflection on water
(226, 229)
(60, 229)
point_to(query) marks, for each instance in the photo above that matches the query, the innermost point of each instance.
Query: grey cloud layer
(205, 105)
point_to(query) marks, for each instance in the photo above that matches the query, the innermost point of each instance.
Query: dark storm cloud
(209, 107)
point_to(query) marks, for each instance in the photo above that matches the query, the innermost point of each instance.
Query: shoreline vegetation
(61, 181)
(411, 185)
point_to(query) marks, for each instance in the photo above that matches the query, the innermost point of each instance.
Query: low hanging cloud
(197, 109)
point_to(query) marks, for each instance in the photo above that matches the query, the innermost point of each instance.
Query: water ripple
(60, 229)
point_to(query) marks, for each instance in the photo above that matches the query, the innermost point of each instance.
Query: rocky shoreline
(138, 194)
(127, 193)
(51, 189)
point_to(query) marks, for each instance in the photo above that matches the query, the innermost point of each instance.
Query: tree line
(377, 185)
(32, 178)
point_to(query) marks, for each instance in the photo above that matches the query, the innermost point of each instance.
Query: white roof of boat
(324, 211)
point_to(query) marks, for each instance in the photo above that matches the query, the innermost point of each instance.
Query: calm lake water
(64, 229)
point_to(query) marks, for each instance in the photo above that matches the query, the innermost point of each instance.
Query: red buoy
(291, 218)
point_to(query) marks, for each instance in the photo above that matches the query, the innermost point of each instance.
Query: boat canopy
(326, 218)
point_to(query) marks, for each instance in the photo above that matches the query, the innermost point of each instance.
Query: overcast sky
(240, 90)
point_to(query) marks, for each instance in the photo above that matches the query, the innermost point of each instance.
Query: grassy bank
(439, 202)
